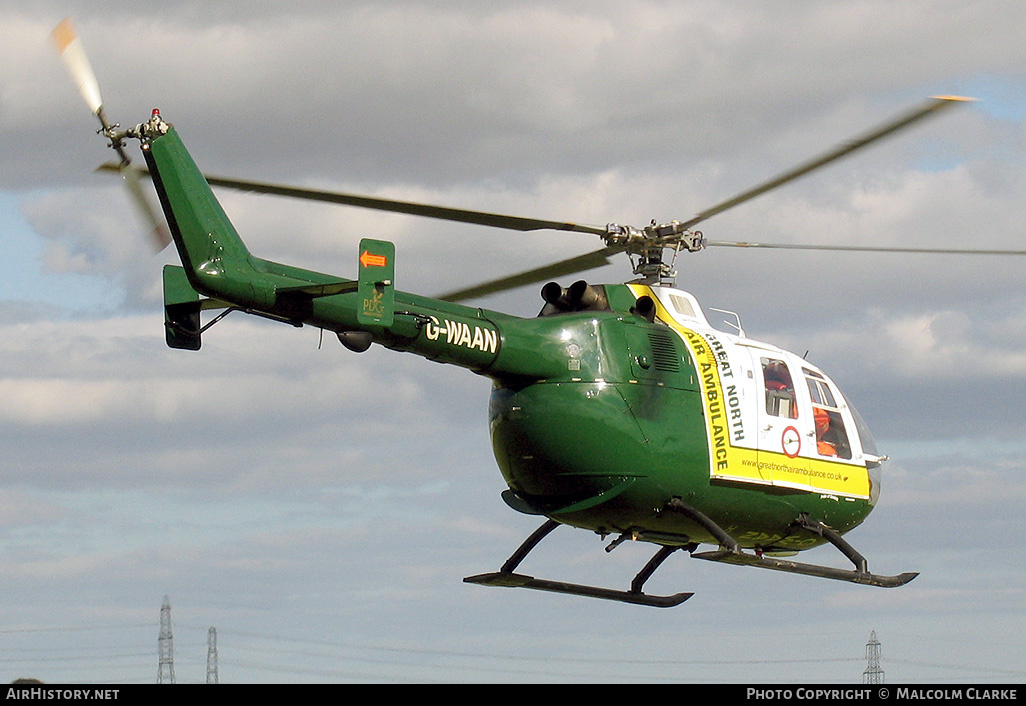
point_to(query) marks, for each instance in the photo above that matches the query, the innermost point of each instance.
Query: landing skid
(730, 552)
(860, 574)
(507, 578)
(511, 580)
(795, 567)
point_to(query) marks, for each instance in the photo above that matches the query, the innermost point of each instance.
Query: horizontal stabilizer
(319, 290)
(181, 310)
(182, 307)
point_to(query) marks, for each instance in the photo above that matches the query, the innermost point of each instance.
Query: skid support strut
(730, 552)
(507, 578)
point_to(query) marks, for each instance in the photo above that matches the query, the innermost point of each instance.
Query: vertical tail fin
(216, 260)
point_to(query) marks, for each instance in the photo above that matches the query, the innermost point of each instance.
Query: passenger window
(780, 395)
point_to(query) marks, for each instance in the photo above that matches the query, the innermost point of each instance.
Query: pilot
(822, 418)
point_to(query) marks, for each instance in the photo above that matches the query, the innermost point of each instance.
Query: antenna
(873, 673)
(212, 656)
(736, 324)
(166, 666)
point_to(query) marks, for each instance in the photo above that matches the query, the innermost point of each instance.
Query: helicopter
(618, 409)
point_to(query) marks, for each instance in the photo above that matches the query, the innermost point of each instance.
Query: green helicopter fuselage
(605, 408)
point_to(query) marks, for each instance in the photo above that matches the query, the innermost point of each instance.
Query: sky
(320, 508)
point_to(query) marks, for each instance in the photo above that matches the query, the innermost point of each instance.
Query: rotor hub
(646, 247)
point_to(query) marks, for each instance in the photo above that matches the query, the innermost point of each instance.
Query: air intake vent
(664, 352)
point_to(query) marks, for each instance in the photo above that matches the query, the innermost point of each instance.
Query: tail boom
(218, 265)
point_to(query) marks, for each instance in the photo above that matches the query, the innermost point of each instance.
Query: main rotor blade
(496, 220)
(859, 248)
(931, 106)
(562, 268)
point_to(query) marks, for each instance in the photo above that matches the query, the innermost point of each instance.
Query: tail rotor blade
(74, 57)
(158, 230)
(72, 53)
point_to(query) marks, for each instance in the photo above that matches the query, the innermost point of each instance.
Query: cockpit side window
(780, 395)
(831, 437)
(821, 394)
